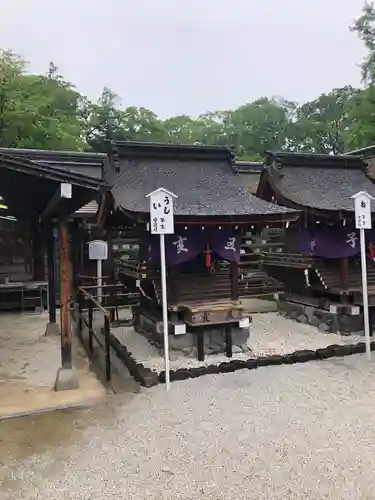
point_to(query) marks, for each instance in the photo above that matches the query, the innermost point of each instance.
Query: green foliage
(37, 111)
(364, 27)
(361, 127)
(324, 124)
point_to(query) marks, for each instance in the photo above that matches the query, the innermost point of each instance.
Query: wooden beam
(66, 333)
(62, 193)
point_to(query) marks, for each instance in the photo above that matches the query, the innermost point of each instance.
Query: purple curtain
(226, 243)
(186, 244)
(332, 243)
(180, 247)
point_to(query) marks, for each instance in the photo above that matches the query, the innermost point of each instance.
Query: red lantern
(371, 251)
(207, 260)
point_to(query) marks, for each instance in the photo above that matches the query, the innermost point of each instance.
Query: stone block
(314, 321)
(324, 328)
(289, 359)
(226, 368)
(275, 359)
(238, 364)
(302, 318)
(346, 350)
(236, 349)
(212, 369)
(323, 353)
(304, 356)
(359, 348)
(52, 329)
(252, 364)
(293, 314)
(66, 379)
(180, 374)
(240, 336)
(180, 342)
(262, 361)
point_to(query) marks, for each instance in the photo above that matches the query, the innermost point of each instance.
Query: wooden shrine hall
(42, 195)
(320, 265)
(212, 211)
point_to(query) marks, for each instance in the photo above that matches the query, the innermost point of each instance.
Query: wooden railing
(104, 345)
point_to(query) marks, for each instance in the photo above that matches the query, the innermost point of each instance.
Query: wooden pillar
(51, 275)
(109, 270)
(344, 272)
(66, 334)
(76, 258)
(234, 280)
(38, 254)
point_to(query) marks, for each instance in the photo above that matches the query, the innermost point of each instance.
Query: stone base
(325, 321)
(66, 379)
(52, 329)
(214, 338)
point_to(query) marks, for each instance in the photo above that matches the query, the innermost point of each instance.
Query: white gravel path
(304, 431)
(270, 334)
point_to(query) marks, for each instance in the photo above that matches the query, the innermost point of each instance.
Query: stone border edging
(149, 378)
(301, 356)
(140, 373)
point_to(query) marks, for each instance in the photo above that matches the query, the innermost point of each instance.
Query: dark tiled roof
(323, 182)
(367, 152)
(90, 164)
(368, 155)
(201, 177)
(248, 167)
(42, 170)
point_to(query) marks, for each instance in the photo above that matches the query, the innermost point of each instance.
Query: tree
(322, 125)
(362, 120)
(102, 120)
(361, 117)
(258, 126)
(143, 125)
(37, 111)
(364, 27)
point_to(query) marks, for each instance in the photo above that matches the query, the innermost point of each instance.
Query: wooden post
(107, 339)
(344, 274)
(344, 271)
(38, 254)
(51, 275)
(66, 334)
(200, 340)
(228, 341)
(91, 316)
(76, 259)
(234, 280)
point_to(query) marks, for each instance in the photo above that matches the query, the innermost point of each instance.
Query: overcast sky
(189, 56)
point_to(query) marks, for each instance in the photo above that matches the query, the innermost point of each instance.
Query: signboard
(65, 190)
(98, 250)
(161, 211)
(362, 208)
(162, 223)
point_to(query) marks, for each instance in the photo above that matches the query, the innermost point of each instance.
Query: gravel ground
(304, 431)
(270, 333)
